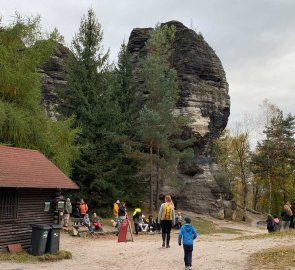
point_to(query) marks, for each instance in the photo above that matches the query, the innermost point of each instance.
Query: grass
(290, 233)
(202, 226)
(274, 258)
(24, 257)
(208, 227)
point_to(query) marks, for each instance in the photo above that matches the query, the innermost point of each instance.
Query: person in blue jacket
(187, 235)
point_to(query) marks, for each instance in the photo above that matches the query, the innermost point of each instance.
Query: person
(116, 208)
(187, 235)
(286, 215)
(277, 223)
(178, 220)
(83, 208)
(136, 218)
(167, 218)
(96, 223)
(86, 222)
(68, 212)
(143, 224)
(270, 224)
(151, 224)
(122, 211)
(76, 210)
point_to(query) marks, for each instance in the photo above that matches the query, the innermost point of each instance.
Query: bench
(77, 222)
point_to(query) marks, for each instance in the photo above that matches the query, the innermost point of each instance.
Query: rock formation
(204, 95)
(54, 81)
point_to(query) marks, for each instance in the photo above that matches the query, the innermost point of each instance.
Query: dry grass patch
(273, 259)
(24, 257)
(289, 234)
(208, 227)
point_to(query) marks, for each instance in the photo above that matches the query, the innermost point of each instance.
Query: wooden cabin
(29, 183)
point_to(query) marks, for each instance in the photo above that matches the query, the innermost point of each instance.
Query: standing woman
(167, 217)
(286, 216)
(83, 208)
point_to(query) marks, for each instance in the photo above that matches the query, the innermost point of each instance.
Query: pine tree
(275, 160)
(23, 122)
(98, 101)
(159, 126)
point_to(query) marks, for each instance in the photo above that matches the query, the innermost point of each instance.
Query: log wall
(30, 210)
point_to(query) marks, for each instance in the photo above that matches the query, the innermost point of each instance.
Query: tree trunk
(151, 180)
(269, 182)
(158, 178)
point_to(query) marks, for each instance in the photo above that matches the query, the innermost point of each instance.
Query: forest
(118, 138)
(111, 143)
(258, 157)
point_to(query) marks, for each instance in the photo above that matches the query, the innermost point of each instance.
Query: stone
(204, 95)
(54, 81)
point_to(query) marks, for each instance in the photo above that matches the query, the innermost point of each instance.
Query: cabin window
(8, 205)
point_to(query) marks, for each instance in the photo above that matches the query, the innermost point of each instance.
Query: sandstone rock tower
(204, 94)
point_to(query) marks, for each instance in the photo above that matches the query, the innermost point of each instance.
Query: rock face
(54, 81)
(204, 94)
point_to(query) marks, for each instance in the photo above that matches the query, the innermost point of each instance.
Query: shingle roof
(26, 168)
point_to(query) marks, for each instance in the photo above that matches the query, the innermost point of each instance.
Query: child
(86, 222)
(178, 220)
(96, 223)
(187, 234)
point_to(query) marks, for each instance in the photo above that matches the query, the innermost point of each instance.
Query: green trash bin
(39, 238)
(53, 239)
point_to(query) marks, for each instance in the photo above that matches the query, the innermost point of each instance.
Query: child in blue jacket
(187, 234)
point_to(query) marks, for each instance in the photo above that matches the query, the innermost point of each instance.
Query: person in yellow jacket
(116, 209)
(136, 217)
(167, 217)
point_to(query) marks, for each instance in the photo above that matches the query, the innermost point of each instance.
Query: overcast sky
(255, 39)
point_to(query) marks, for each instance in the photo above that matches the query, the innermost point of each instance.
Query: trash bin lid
(56, 226)
(41, 226)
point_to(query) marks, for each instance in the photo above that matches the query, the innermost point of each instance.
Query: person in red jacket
(83, 208)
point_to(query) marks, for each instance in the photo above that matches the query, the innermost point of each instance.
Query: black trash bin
(39, 238)
(53, 239)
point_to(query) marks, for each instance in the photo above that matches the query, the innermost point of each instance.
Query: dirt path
(210, 252)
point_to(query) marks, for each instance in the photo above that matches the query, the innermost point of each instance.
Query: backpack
(270, 225)
(167, 213)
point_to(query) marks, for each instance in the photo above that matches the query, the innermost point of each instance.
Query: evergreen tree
(102, 171)
(275, 159)
(23, 122)
(159, 126)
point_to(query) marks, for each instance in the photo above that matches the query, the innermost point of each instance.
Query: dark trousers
(136, 228)
(166, 229)
(188, 254)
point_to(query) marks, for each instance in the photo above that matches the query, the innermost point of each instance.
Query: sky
(254, 39)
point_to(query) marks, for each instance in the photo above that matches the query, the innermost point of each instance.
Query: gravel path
(210, 252)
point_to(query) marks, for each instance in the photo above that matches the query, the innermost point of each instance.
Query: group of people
(166, 220)
(145, 225)
(80, 210)
(273, 224)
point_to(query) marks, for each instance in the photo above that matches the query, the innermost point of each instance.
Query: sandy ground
(210, 252)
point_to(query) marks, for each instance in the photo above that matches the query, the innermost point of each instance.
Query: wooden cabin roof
(26, 168)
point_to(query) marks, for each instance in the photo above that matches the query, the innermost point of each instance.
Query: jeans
(166, 228)
(188, 253)
(285, 225)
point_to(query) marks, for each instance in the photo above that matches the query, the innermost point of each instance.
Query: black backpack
(270, 225)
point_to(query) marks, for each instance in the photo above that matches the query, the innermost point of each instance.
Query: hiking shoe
(190, 268)
(163, 245)
(167, 246)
